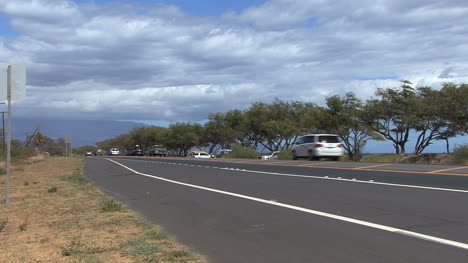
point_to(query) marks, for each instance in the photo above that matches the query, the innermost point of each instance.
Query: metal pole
(8, 139)
(3, 129)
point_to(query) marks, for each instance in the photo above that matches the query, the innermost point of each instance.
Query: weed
(75, 248)
(176, 255)
(76, 178)
(139, 246)
(157, 235)
(3, 223)
(26, 183)
(22, 227)
(460, 155)
(52, 189)
(110, 206)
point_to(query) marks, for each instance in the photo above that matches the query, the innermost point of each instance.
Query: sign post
(15, 90)
(8, 139)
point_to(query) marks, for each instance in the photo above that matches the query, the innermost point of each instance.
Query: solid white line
(310, 211)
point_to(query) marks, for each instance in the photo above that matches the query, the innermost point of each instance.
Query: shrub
(239, 151)
(285, 154)
(460, 155)
(26, 183)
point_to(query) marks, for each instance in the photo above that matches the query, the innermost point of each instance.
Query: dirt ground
(57, 215)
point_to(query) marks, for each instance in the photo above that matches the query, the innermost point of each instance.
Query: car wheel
(294, 156)
(311, 156)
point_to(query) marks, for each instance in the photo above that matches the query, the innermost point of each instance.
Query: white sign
(18, 81)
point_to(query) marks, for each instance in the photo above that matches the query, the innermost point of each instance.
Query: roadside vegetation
(57, 215)
(460, 155)
(393, 114)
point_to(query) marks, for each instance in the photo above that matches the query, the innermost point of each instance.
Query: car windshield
(328, 139)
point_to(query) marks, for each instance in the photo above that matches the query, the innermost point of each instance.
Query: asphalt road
(298, 211)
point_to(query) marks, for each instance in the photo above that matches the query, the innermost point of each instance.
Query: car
(314, 146)
(201, 154)
(157, 150)
(99, 152)
(89, 153)
(135, 151)
(114, 151)
(273, 155)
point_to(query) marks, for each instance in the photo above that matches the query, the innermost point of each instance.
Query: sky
(179, 60)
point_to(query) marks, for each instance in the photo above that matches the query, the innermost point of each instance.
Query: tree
(392, 113)
(343, 116)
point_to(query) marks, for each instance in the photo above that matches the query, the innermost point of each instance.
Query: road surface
(297, 211)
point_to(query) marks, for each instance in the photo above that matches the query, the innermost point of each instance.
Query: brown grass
(68, 225)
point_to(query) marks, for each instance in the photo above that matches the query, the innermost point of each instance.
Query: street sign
(18, 81)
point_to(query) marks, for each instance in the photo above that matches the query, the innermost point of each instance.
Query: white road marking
(310, 211)
(363, 182)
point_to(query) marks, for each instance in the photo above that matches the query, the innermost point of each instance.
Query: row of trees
(393, 114)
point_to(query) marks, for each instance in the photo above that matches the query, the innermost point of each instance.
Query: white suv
(314, 146)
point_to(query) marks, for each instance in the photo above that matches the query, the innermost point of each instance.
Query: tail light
(318, 145)
(340, 145)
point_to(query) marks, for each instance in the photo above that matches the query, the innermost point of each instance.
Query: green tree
(343, 116)
(392, 113)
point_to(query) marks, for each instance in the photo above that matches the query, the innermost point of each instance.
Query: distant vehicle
(157, 150)
(89, 153)
(315, 146)
(135, 151)
(224, 152)
(114, 151)
(200, 154)
(273, 155)
(99, 152)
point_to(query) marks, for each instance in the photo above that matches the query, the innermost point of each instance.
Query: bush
(239, 151)
(460, 155)
(285, 154)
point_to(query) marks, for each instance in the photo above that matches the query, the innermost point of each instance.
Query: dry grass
(70, 224)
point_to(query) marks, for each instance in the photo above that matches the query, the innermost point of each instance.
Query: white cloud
(156, 62)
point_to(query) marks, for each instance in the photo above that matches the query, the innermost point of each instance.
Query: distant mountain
(82, 132)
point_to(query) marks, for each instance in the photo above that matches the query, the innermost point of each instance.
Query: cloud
(157, 62)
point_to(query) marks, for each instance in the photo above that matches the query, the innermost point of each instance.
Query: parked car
(157, 150)
(135, 151)
(314, 146)
(114, 151)
(273, 155)
(89, 153)
(99, 152)
(201, 154)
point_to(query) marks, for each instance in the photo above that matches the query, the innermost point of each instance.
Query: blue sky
(197, 7)
(180, 60)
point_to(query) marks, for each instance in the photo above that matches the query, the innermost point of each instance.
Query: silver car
(314, 146)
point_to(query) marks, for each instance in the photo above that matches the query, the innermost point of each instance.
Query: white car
(114, 151)
(203, 155)
(273, 155)
(315, 146)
